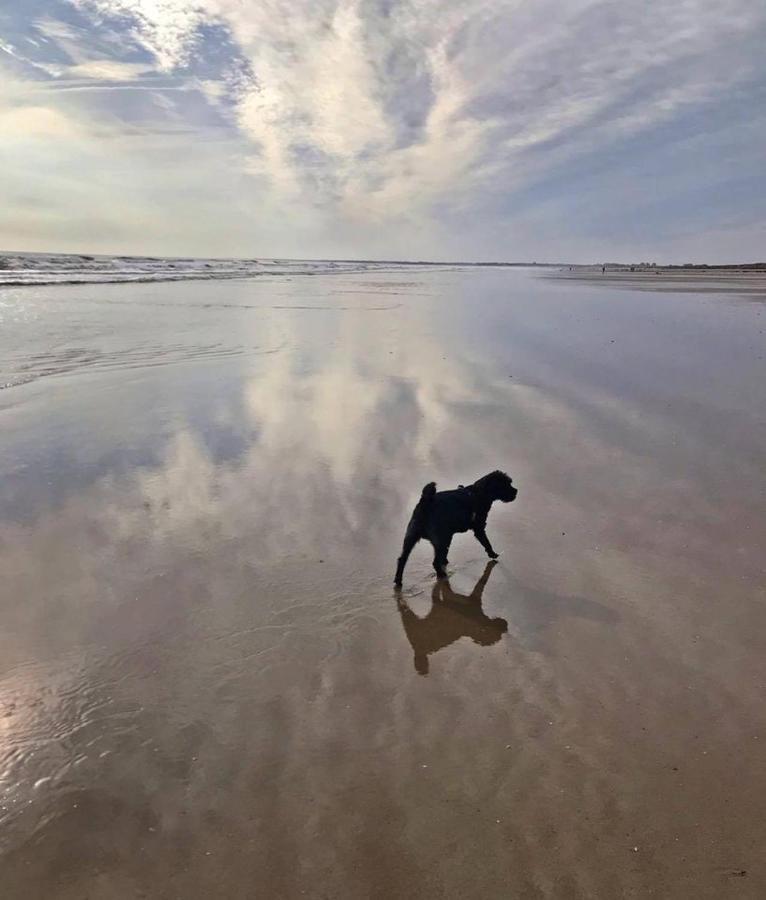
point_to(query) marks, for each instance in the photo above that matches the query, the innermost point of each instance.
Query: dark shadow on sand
(451, 617)
(533, 611)
(454, 615)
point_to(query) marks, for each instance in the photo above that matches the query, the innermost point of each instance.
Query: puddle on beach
(208, 686)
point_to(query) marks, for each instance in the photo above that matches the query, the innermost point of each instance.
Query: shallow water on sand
(207, 685)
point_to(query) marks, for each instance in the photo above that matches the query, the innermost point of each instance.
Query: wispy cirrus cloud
(385, 122)
(167, 28)
(107, 70)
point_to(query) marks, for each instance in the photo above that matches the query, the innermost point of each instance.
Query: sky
(575, 130)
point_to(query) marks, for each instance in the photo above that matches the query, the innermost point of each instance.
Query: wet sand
(732, 281)
(208, 687)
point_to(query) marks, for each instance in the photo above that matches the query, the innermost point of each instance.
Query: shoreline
(749, 280)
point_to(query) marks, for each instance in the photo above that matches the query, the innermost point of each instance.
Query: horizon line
(406, 262)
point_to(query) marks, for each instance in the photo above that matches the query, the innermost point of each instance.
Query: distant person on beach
(603, 269)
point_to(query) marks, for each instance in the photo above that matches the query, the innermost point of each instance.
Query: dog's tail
(428, 492)
(420, 513)
(416, 528)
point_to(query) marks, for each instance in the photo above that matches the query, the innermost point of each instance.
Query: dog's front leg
(481, 537)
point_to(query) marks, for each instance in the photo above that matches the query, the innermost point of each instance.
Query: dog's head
(499, 486)
(490, 632)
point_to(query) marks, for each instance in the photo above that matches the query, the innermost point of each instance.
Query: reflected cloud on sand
(203, 679)
(451, 617)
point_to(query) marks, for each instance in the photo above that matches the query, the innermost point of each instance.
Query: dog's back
(452, 510)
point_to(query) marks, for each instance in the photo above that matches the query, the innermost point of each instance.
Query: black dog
(438, 516)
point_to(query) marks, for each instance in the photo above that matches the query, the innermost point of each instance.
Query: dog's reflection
(452, 616)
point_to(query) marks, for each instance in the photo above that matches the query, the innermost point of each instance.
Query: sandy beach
(208, 687)
(732, 280)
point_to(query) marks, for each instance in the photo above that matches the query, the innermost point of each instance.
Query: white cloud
(107, 70)
(25, 123)
(371, 123)
(56, 30)
(9, 49)
(503, 78)
(165, 27)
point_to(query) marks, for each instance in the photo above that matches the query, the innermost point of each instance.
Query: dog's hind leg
(409, 542)
(441, 549)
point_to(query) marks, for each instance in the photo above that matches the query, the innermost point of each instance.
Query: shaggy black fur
(440, 515)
